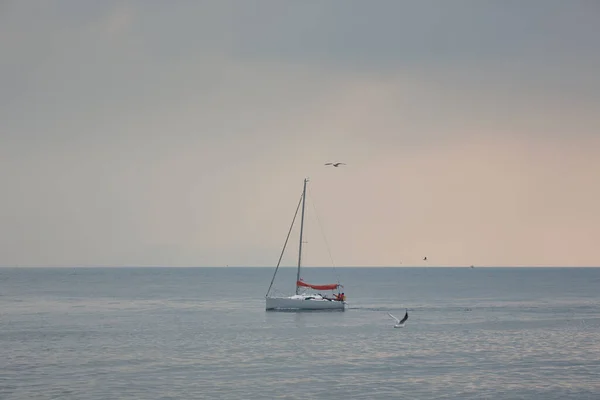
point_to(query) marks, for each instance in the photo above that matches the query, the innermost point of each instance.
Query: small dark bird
(337, 164)
(424, 258)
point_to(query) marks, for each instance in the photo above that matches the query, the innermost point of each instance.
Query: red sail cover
(331, 286)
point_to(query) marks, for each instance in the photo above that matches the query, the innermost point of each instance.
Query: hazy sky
(178, 132)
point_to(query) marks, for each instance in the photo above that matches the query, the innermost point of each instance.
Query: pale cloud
(151, 133)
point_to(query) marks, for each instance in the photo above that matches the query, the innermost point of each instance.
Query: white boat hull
(301, 302)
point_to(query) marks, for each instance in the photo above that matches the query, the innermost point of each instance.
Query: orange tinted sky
(151, 133)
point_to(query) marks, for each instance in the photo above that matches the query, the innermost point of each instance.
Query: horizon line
(294, 267)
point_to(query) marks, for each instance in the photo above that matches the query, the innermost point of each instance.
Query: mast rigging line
(324, 237)
(285, 244)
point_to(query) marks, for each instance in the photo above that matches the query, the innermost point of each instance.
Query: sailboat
(303, 299)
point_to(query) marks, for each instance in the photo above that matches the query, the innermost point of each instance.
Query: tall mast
(301, 230)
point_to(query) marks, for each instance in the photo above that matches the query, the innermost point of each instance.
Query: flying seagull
(400, 322)
(337, 164)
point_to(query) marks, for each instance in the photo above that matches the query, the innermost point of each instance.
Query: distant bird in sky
(424, 258)
(337, 164)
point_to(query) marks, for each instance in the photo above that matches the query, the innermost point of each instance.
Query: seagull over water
(337, 164)
(400, 322)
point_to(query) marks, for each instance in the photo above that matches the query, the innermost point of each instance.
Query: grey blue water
(203, 333)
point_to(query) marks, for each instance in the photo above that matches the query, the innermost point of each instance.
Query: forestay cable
(284, 245)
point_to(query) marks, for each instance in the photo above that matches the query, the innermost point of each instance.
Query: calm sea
(203, 333)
